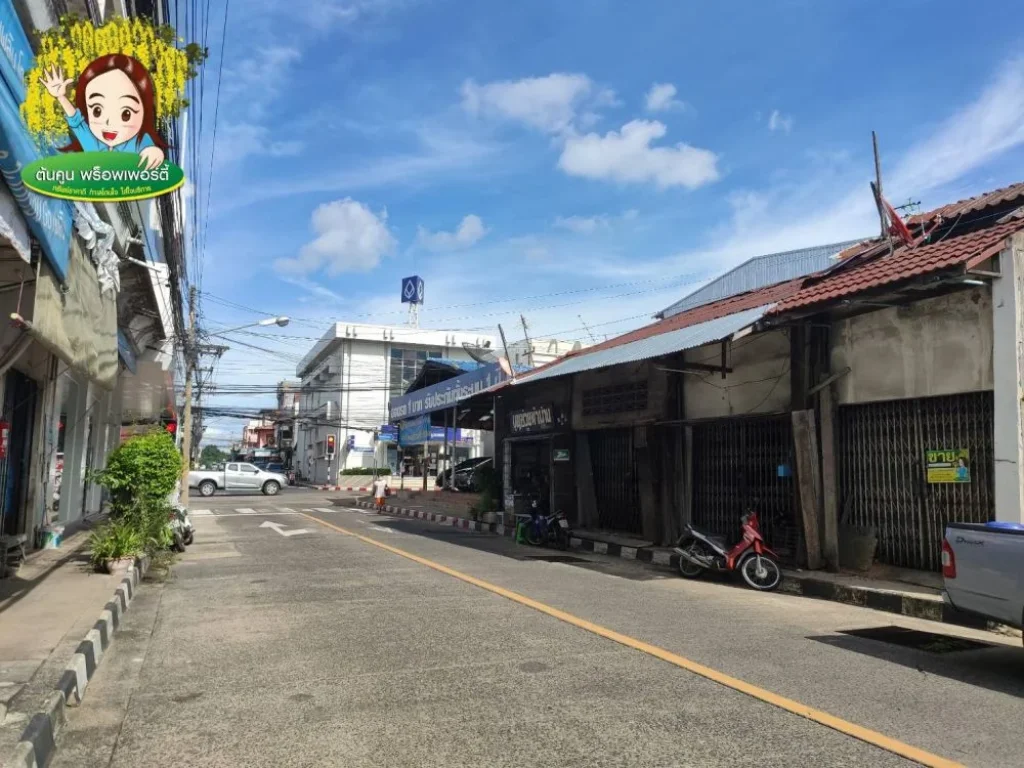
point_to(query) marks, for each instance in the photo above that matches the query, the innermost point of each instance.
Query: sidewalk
(894, 590)
(46, 609)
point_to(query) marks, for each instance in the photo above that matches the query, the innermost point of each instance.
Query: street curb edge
(38, 742)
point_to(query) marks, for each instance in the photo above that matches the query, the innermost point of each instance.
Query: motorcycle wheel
(179, 542)
(533, 536)
(761, 572)
(189, 538)
(687, 569)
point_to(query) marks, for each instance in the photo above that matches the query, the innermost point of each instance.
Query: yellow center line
(790, 705)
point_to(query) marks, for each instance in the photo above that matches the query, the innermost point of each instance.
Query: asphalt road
(320, 648)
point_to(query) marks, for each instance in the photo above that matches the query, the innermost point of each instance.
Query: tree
(211, 454)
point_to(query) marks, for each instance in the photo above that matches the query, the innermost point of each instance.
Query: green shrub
(365, 471)
(142, 470)
(114, 541)
(140, 474)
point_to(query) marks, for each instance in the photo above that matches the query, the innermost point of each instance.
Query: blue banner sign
(447, 393)
(414, 431)
(48, 219)
(125, 351)
(388, 433)
(16, 55)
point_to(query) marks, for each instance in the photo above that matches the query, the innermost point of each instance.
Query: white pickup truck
(236, 476)
(983, 570)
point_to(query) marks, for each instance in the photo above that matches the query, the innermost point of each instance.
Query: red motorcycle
(701, 551)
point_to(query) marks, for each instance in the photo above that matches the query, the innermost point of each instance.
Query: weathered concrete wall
(937, 346)
(759, 382)
(657, 389)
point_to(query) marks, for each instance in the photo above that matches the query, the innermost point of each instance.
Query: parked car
(462, 473)
(280, 469)
(237, 476)
(471, 478)
(983, 570)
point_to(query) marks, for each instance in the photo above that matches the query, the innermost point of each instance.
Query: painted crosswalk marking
(200, 512)
(285, 509)
(245, 511)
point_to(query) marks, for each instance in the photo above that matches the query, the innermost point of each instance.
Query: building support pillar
(1008, 378)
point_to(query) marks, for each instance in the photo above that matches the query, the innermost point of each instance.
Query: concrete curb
(794, 583)
(38, 742)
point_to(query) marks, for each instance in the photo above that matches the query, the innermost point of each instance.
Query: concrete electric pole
(186, 422)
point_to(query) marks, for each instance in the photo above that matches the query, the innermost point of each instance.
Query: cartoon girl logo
(113, 109)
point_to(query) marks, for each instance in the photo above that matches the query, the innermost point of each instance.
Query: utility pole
(876, 187)
(587, 328)
(504, 344)
(186, 422)
(529, 344)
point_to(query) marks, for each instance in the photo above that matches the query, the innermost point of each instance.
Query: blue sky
(624, 150)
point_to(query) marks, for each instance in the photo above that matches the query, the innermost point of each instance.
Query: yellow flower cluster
(74, 44)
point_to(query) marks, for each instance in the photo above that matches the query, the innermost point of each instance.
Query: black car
(463, 470)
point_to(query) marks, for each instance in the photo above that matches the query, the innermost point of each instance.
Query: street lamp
(281, 321)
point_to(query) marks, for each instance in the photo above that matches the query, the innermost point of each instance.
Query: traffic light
(330, 445)
(172, 427)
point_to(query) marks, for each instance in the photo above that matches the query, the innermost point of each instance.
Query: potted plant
(114, 547)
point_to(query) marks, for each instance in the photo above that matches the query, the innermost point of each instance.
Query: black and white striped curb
(38, 741)
(805, 584)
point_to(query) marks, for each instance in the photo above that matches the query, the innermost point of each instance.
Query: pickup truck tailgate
(988, 564)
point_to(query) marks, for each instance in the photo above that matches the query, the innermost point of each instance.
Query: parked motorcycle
(701, 551)
(181, 526)
(541, 529)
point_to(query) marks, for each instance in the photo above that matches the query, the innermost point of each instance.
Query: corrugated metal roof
(759, 272)
(653, 346)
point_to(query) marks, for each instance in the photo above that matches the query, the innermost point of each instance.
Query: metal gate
(615, 480)
(736, 465)
(880, 453)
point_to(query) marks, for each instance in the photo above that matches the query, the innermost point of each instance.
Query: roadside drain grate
(558, 559)
(930, 642)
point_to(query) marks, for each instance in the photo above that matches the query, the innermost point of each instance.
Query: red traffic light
(171, 426)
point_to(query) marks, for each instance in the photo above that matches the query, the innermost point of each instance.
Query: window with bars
(620, 398)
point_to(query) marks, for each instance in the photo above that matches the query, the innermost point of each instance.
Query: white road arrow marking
(380, 528)
(280, 528)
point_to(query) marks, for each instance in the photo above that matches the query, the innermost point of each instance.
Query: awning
(691, 337)
(13, 228)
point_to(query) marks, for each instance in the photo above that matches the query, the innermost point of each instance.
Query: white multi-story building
(347, 379)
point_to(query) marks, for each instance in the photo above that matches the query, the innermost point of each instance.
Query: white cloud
(350, 238)
(985, 128)
(588, 225)
(252, 84)
(780, 122)
(550, 103)
(662, 97)
(237, 141)
(469, 232)
(627, 157)
(582, 225)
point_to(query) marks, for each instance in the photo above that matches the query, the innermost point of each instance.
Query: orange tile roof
(969, 248)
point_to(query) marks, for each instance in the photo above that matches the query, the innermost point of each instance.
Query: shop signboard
(446, 393)
(536, 418)
(388, 433)
(948, 466)
(560, 454)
